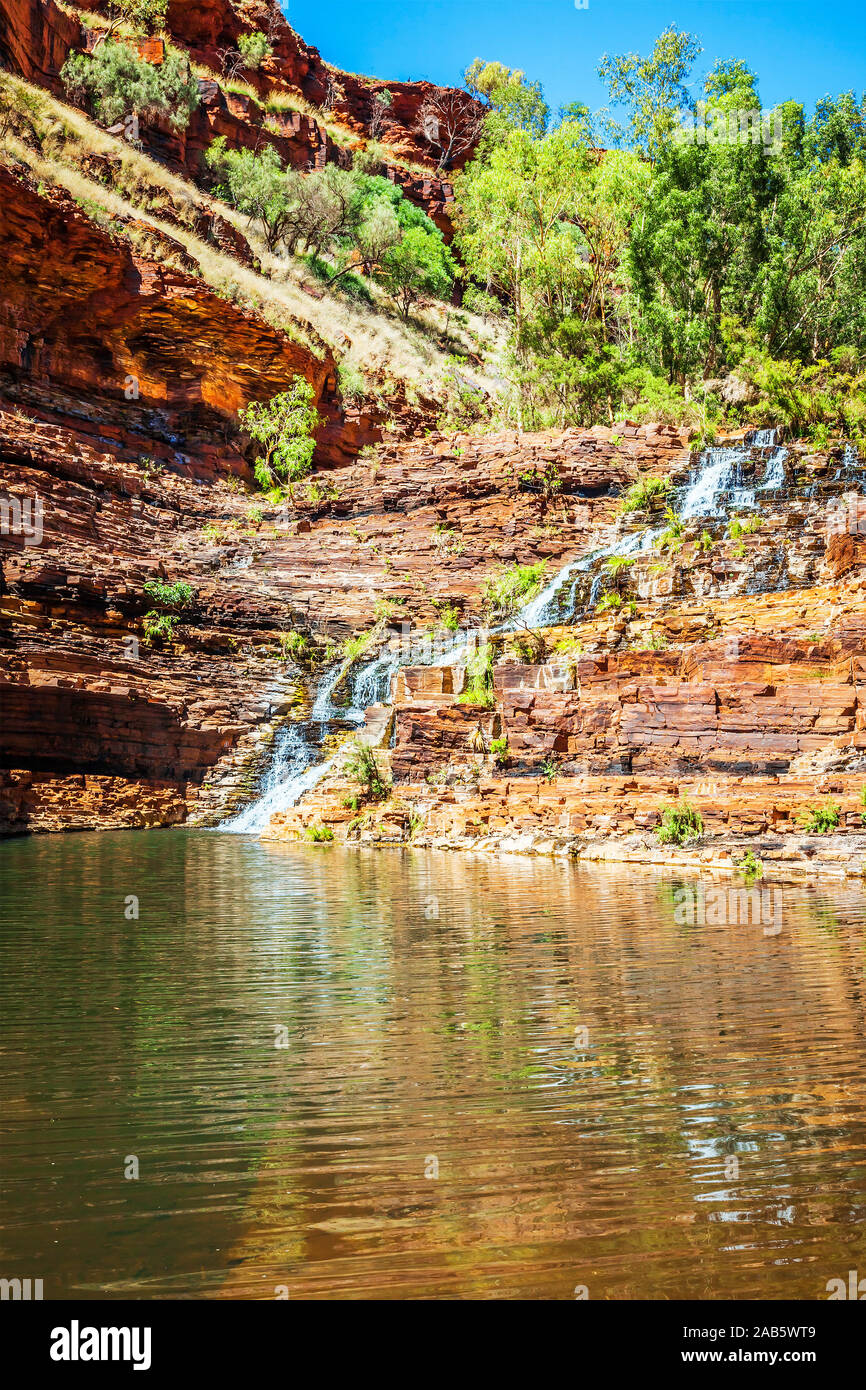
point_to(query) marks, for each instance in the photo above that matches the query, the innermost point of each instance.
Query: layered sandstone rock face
(98, 727)
(35, 39)
(423, 522)
(771, 707)
(90, 328)
(725, 668)
(731, 678)
(187, 725)
(121, 374)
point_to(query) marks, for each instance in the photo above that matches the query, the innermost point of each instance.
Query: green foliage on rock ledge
(679, 824)
(820, 819)
(116, 83)
(362, 767)
(362, 223)
(512, 586)
(283, 427)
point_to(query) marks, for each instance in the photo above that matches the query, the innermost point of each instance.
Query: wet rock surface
(744, 701)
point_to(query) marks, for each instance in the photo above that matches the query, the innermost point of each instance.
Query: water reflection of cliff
(453, 1035)
(431, 1005)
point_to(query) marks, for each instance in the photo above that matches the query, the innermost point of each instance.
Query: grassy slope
(379, 342)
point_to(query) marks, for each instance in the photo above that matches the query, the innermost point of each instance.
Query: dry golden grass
(282, 99)
(372, 338)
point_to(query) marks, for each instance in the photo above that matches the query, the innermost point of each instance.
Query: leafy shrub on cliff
(353, 384)
(363, 223)
(254, 49)
(400, 244)
(355, 647)
(143, 16)
(499, 751)
(19, 110)
(159, 627)
(738, 528)
(513, 586)
(640, 495)
(821, 819)
(547, 480)
(448, 616)
(479, 679)
(117, 83)
(176, 595)
(361, 766)
(316, 212)
(608, 602)
(375, 190)
(371, 160)
(529, 645)
(446, 540)
(419, 264)
(293, 646)
(671, 538)
(616, 564)
(170, 599)
(679, 824)
(319, 834)
(284, 427)
(255, 184)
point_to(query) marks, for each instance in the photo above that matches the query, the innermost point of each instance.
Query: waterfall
(324, 708)
(761, 439)
(547, 609)
(774, 477)
(718, 473)
(294, 768)
(372, 683)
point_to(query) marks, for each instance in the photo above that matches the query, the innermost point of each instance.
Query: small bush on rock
(117, 83)
(679, 824)
(820, 820)
(284, 427)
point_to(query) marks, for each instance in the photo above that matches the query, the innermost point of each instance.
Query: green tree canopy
(652, 89)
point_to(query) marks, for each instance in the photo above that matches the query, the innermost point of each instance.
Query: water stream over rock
(715, 489)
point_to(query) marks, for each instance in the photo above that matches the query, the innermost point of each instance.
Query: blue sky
(801, 49)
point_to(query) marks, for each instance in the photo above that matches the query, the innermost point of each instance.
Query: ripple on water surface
(293, 1041)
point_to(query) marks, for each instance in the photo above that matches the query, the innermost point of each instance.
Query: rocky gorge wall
(731, 680)
(720, 664)
(36, 37)
(122, 368)
(89, 328)
(101, 729)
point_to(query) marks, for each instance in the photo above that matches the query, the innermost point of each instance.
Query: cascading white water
(294, 769)
(372, 683)
(324, 708)
(774, 477)
(547, 608)
(718, 474)
(762, 439)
